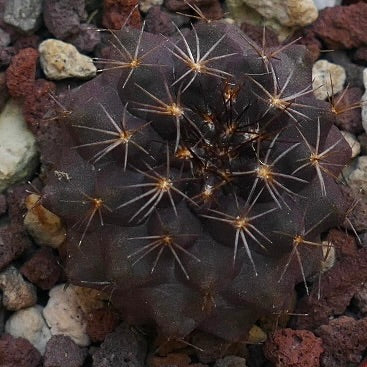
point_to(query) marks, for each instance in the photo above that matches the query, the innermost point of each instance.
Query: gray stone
(25, 15)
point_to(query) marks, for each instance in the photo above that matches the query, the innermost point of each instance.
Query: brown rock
(100, 323)
(338, 285)
(12, 244)
(42, 269)
(293, 348)
(117, 11)
(18, 352)
(344, 340)
(342, 26)
(61, 351)
(20, 75)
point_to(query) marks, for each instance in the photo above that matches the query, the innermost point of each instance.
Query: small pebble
(29, 324)
(24, 15)
(353, 143)
(61, 351)
(64, 315)
(17, 293)
(44, 227)
(325, 73)
(61, 60)
(18, 150)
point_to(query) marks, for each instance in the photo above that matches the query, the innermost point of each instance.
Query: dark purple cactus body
(197, 178)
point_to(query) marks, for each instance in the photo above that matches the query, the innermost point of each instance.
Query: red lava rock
(338, 285)
(342, 26)
(349, 120)
(61, 351)
(117, 11)
(18, 352)
(100, 323)
(12, 244)
(293, 348)
(20, 75)
(344, 340)
(38, 102)
(345, 245)
(63, 17)
(3, 204)
(256, 34)
(42, 269)
(122, 348)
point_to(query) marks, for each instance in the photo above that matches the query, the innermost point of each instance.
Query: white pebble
(18, 151)
(64, 315)
(29, 324)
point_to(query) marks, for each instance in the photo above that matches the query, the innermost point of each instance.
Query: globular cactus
(195, 176)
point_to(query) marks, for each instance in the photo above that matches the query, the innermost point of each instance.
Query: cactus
(195, 175)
